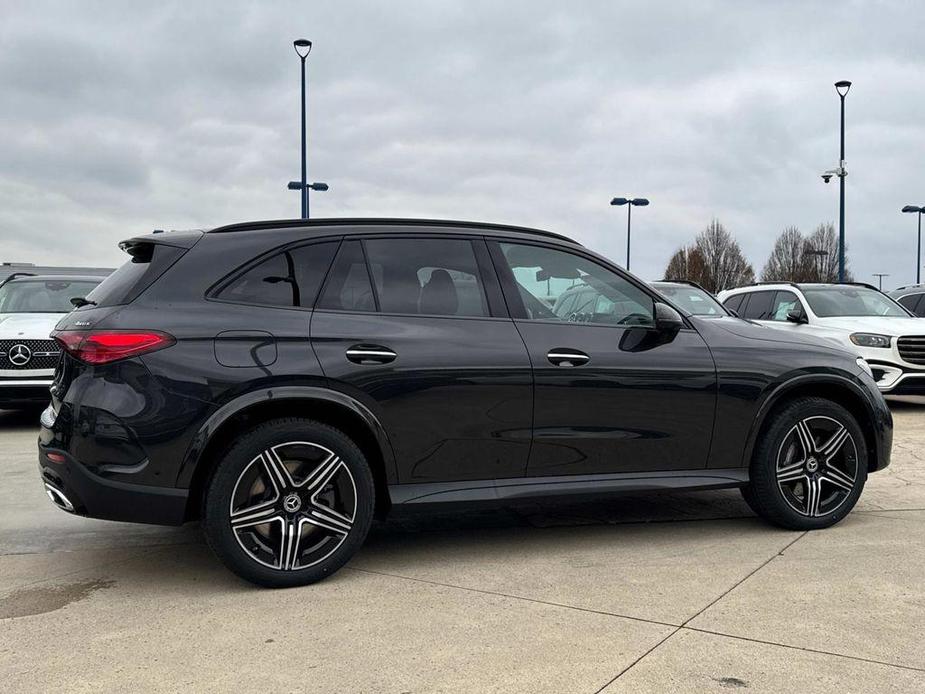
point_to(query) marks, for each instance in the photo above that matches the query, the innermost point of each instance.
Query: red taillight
(104, 346)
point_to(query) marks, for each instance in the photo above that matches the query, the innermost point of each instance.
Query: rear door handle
(563, 356)
(370, 354)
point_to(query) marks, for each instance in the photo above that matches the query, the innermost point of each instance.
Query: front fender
(850, 384)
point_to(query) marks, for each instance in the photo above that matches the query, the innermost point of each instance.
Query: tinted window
(149, 261)
(734, 302)
(759, 306)
(426, 276)
(914, 303)
(348, 287)
(289, 278)
(784, 303)
(546, 278)
(42, 296)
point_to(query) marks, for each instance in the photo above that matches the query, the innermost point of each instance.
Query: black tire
(293, 527)
(807, 491)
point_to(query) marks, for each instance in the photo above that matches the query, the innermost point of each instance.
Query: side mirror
(797, 316)
(667, 320)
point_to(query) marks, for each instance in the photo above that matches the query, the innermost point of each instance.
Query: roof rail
(371, 221)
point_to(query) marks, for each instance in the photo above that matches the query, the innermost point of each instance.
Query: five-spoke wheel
(809, 465)
(289, 503)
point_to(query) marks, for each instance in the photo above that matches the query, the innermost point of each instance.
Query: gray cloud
(117, 119)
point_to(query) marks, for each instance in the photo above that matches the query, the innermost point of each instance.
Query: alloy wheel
(817, 466)
(293, 505)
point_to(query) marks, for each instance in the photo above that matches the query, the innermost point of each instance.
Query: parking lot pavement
(677, 592)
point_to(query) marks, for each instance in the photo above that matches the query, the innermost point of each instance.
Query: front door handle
(563, 356)
(370, 354)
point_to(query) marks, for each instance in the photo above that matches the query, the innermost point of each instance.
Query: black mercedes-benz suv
(286, 382)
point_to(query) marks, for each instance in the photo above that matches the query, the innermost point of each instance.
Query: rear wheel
(289, 503)
(810, 466)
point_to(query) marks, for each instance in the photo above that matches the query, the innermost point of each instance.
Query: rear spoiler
(177, 239)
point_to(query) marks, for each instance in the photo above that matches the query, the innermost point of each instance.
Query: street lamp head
(303, 47)
(639, 202)
(294, 185)
(619, 201)
(842, 87)
(912, 208)
(319, 186)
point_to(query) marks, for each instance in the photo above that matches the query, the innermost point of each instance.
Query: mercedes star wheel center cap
(292, 503)
(812, 465)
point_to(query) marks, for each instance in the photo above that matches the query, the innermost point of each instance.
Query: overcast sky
(115, 121)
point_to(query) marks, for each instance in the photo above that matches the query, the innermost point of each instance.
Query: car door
(415, 328)
(609, 396)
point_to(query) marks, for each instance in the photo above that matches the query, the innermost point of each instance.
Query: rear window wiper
(79, 301)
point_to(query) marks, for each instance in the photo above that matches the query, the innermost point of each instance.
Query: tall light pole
(918, 255)
(638, 202)
(880, 276)
(842, 88)
(302, 48)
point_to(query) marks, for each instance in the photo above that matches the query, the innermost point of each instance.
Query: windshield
(845, 300)
(694, 300)
(42, 296)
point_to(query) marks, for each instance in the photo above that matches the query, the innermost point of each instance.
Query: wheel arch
(320, 404)
(838, 389)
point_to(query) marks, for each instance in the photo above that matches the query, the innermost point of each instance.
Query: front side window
(289, 278)
(759, 306)
(436, 277)
(784, 303)
(560, 286)
(914, 303)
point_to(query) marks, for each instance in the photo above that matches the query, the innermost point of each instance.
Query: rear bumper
(73, 488)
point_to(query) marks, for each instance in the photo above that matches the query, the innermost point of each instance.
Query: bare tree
(725, 266)
(714, 261)
(789, 260)
(824, 242)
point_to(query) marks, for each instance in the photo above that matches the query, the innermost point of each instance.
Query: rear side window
(759, 306)
(734, 302)
(148, 262)
(348, 287)
(289, 278)
(437, 277)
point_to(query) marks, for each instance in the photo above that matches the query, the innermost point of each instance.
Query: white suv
(857, 316)
(30, 307)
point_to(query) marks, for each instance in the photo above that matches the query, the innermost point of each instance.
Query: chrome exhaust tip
(58, 498)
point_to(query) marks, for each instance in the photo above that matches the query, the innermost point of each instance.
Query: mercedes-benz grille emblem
(19, 355)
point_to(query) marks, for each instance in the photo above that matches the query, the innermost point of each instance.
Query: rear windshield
(148, 262)
(43, 296)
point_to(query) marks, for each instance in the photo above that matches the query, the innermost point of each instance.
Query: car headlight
(865, 366)
(870, 340)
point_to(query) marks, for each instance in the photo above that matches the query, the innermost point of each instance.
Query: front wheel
(289, 503)
(809, 467)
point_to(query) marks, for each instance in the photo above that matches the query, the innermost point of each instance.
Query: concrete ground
(681, 592)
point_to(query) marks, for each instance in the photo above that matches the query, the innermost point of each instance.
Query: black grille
(912, 349)
(43, 354)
